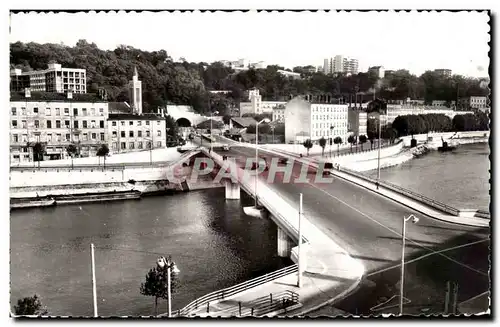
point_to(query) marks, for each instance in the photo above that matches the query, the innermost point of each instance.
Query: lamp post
(168, 266)
(94, 289)
(265, 120)
(331, 139)
(300, 267)
(378, 156)
(211, 119)
(403, 236)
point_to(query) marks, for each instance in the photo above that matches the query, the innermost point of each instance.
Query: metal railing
(205, 300)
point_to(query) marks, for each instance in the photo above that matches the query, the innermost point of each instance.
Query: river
(214, 244)
(459, 178)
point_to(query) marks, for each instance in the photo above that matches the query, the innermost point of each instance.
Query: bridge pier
(232, 190)
(285, 244)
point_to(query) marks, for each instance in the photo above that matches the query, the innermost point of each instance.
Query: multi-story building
(341, 64)
(327, 66)
(395, 110)
(256, 105)
(132, 132)
(56, 120)
(289, 74)
(279, 113)
(473, 102)
(443, 72)
(135, 93)
(306, 120)
(357, 122)
(54, 79)
(378, 70)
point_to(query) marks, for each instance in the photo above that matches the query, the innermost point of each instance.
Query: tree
(362, 140)
(337, 140)
(322, 144)
(308, 145)
(103, 151)
(29, 306)
(71, 150)
(351, 140)
(38, 152)
(156, 285)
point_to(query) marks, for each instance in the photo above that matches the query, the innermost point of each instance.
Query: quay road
(368, 226)
(93, 166)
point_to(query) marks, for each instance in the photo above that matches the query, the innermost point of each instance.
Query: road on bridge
(369, 226)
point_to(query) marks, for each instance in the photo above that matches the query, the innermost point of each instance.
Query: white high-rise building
(135, 93)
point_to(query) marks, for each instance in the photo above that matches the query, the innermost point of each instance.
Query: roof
(134, 117)
(119, 107)
(56, 97)
(206, 124)
(244, 121)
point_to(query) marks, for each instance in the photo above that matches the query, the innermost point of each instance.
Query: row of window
(59, 137)
(329, 109)
(131, 123)
(328, 117)
(131, 133)
(57, 111)
(326, 125)
(132, 145)
(67, 124)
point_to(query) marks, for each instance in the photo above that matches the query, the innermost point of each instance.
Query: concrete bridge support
(285, 243)
(232, 190)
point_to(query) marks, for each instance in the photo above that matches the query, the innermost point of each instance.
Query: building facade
(135, 93)
(132, 132)
(279, 113)
(357, 122)
(474, 103)
(256, 105)
(54, 79)
(56, 120)
(378, 70)
(305, 120)
(395, 110)
(443, 72)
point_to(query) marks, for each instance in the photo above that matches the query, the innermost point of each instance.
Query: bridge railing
(230, 291)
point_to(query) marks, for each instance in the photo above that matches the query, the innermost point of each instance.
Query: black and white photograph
(249, 164)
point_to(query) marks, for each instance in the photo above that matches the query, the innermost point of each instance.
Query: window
(14, 123)
(122, 133)
(58, 112)
(15, 138)
(101, 112)
(23, 111)
(85, 136)
(66, 123)
(157, 122)
(101, 123)
(92, 124)
(68, 137)
(92, 111)
(102, 136)
(35, 110)
(114, 146)
(139, 123)
(158, 144)
(66, 111)
(25, 138)
(122, 123)
(147, 122)
(139, 134)
(58, 137)
(158, 133)
(131, 123)
(84, 123)
(149, 145)
(49, 123)
(131, 133)
(94, 136)
(47, 111)
(75, 111)
(37, 124)
(23, 123)
(77, 137)
(14, 111)
(131, 145)
(84, 111)
(139, 145)
(123, 145)
(75, 123)
(147, 134)
(113, 123)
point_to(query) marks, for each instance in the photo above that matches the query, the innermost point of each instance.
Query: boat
(19, 203)
(97, 197)
(445, 147)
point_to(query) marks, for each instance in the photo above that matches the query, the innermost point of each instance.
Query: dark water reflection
(459, 178)
(213, 242)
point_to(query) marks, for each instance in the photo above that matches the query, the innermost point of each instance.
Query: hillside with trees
(167, 82)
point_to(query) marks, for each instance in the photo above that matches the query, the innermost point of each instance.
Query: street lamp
(405, 219)
(378, 157)
(211, 118)
(300, 259)
(265, 120)
(168, 266)
(331, 139)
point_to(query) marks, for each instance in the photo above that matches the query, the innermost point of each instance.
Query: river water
(214, 244)
(459, 178)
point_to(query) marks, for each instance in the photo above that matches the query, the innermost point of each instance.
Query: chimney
(70, 94)
(27, 93)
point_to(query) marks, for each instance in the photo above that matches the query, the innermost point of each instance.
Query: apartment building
(377, 70)
(473, 102)
(129, 132)
(53, 79)
(340, 64)
(256, 105)
(56, 120)
(279, 113)
(304, 120)
(357, 122)
(395, 110)
(443, 72)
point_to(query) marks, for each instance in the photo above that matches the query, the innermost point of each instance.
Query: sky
(414, 41)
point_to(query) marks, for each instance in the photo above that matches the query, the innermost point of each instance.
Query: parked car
(225, 147)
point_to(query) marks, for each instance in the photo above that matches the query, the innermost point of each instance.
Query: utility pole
(94, 289)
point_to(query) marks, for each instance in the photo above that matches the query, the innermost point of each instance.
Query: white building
(395, 110)
(53, 79)
(474, 102)
(56, 120)
(305, 120)
(289, 74)
(378, 70)
(135, 93)
(340, 64)
(256, 105)
(279, 113)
